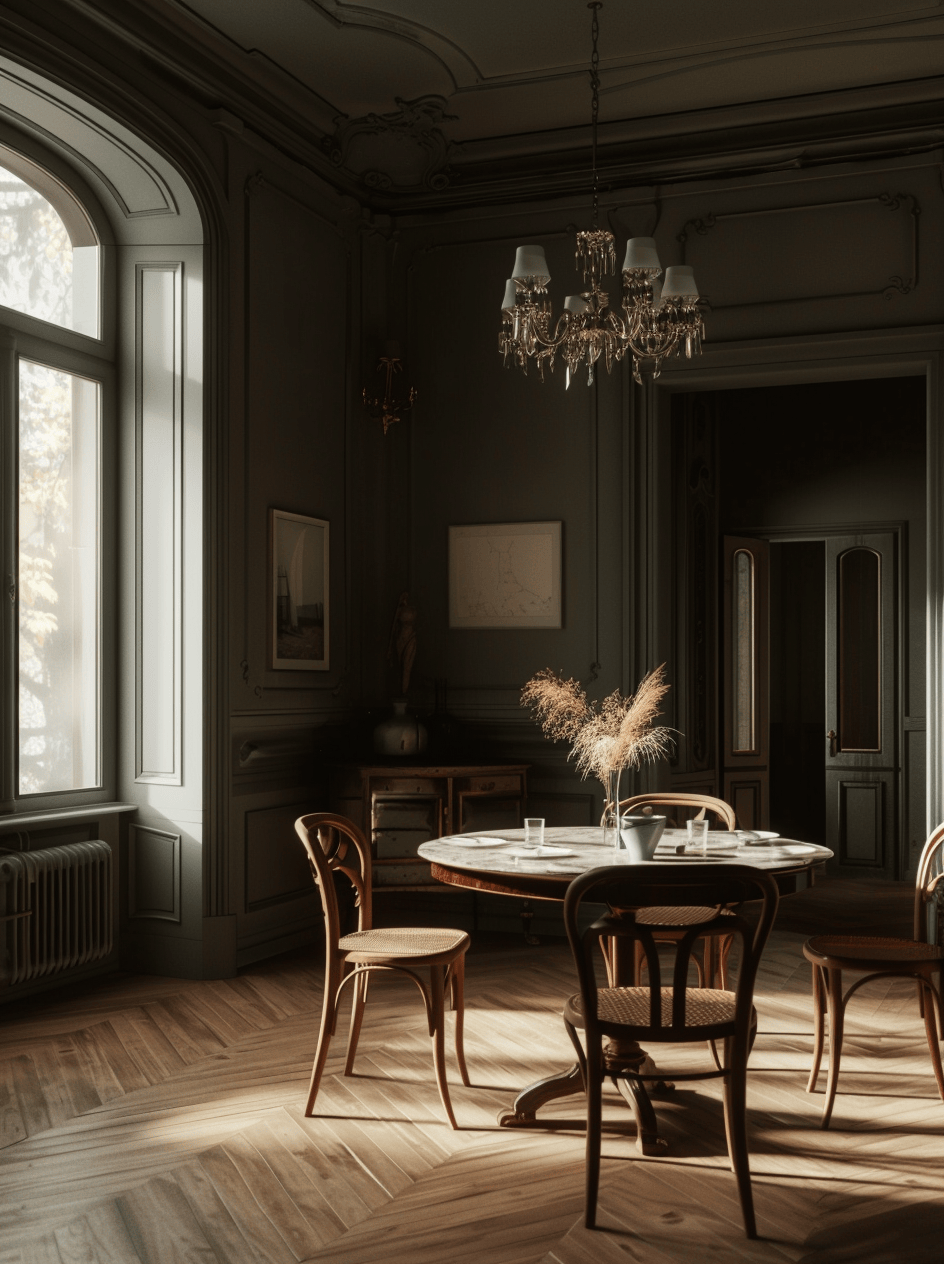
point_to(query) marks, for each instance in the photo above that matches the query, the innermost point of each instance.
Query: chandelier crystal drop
(658, 320)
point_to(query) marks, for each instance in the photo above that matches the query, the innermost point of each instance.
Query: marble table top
(494, 851)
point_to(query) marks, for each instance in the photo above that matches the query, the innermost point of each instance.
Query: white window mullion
(7, 568)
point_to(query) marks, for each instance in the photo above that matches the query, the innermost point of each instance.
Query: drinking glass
(534, 831)
(697, 837)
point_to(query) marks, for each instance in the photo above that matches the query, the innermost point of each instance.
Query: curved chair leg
(329, 1019)
(835, 1008)
(457, 989)
(594, 1082)
(437, 1020)
(930, 1026)
(735, 1124)
(819, 1007)
(358, 1001)
(581, 1056)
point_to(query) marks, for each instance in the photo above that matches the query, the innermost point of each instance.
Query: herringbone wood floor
(155, 1120)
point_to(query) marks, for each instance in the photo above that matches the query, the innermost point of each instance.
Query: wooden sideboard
(400, 806)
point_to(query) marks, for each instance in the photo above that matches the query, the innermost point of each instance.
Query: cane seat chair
(672, 922)
(671, 1012)
(335, 846)
(874, 957)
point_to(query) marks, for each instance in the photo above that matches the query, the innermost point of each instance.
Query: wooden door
(861, 732)
(745, 676)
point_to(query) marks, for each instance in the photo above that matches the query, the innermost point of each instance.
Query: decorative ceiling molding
(404, 149)
(149, 48)
(699, 61)
(453, 59)
(541, 82)
(470, 76)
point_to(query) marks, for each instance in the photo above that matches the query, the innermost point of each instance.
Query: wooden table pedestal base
(566, 1083)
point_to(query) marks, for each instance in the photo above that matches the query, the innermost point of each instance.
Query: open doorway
(818, 471)
(797, 688)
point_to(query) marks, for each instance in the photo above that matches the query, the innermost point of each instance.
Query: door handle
(833, 743)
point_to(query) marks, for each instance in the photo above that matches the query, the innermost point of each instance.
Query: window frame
(94, 358)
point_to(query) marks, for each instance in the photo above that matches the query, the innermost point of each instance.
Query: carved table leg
(627, 1055)
(618, 1055)
(529, 1100)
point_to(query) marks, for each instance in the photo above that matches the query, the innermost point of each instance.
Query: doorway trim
(789, 361)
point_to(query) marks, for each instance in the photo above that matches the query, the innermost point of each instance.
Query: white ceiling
(513, 67)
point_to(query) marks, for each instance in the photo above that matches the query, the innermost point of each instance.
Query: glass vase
(611, 834)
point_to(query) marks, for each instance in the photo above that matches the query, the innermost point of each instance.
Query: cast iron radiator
(55, 909)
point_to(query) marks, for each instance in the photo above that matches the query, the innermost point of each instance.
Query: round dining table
(497, 861)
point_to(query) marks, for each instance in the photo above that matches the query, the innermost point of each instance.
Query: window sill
(53, 815)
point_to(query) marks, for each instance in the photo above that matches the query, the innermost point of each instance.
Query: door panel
(860, 811)
(747, 792)
(862, 762)
(861, 627)
(745, 679)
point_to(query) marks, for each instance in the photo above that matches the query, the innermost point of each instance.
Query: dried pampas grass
(606, 737)
(559, 706)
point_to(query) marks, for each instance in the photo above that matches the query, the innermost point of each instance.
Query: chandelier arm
(555, 340)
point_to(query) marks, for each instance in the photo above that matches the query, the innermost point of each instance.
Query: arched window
(49, 250)
(50, 291)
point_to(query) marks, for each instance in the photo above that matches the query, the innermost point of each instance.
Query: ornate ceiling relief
(404, 149)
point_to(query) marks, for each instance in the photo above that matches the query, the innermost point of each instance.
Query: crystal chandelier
(657, 321)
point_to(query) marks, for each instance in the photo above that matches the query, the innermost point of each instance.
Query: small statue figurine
(403, 639)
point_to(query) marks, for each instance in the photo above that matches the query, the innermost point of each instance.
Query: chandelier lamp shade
(658, 318)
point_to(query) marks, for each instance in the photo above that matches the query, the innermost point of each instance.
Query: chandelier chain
(596, 6)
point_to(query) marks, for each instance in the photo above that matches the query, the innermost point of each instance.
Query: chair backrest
(629, 888)
(684, 805)
(929, 889)
(336, 846)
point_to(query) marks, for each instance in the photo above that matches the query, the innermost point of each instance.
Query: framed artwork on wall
(505, 575)
(300, 616)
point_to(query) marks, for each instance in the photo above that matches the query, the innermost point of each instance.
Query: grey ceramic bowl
(640, 834)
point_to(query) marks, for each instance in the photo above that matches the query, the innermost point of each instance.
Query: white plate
(797, 849)
(476, 842)
(539, 853)
(749, 837)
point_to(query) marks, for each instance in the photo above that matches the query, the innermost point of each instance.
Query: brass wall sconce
(388, 410)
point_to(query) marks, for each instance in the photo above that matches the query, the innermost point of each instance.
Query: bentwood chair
(672, 922)
(670, 1013)
(336, 846)
(872, 957)
(680, 807)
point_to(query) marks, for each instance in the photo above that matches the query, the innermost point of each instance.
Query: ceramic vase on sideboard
(401, 734)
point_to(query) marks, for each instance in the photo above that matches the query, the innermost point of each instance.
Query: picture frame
(505, 575)
(300, 592)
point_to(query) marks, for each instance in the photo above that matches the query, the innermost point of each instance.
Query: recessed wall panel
(276, 861)
(158, 554)
(153, 873)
